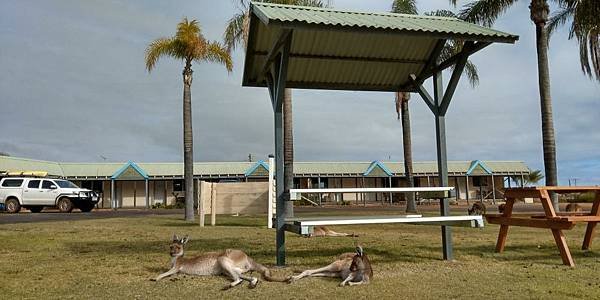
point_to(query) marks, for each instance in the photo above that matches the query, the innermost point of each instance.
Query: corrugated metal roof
(238, 169)
(271, 13)
(336, 49)
(17, 164)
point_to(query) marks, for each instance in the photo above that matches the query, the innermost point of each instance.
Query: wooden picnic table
(556, 222)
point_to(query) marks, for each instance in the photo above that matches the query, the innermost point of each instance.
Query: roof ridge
(351, 11)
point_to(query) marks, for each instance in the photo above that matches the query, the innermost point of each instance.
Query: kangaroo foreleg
(359, 282)
(166, 274)
(348, 279)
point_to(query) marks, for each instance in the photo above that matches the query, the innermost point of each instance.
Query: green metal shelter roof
(336, 49)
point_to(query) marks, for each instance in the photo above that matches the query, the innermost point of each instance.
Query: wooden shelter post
(276, 68)
(438, 104)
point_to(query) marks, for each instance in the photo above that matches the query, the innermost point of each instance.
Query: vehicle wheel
(86, 207)
(65, 205)
(12, 206)
(36, 209)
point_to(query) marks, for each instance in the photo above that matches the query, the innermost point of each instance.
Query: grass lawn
(116, 258)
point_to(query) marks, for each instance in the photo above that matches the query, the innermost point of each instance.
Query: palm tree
(402, 98)
(187, 45)
(530, 179)
(235, 34)
(585, 26)
(486, 12)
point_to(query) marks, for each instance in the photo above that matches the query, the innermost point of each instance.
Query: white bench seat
(305, 225)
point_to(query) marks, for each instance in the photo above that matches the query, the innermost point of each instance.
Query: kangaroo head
(357, 260)
(177, 245)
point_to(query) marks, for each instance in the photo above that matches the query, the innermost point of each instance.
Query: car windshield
(66, 184)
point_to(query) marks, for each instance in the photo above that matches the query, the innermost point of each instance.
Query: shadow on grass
(227, 222)
(522, 253)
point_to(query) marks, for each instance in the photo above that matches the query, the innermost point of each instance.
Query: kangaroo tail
(266, 273)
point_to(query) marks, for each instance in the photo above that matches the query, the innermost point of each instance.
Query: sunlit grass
(116, 258)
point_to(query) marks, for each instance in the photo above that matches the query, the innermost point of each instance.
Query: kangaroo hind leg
(234, 273)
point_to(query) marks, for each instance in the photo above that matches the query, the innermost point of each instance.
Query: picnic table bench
(556, 222)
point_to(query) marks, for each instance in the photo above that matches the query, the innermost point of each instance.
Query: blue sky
(73, 87)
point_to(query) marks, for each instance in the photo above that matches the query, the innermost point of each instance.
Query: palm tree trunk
(188, 144)
(288, 149)
(411, 205)
(539, 10)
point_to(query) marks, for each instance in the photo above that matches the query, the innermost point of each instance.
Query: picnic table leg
(559, 237)
(561, 242)
(589, 232)
(508, 207)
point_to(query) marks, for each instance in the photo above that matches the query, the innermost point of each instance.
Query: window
(46, 184)
(12, 182)
(34, 184)
(94, 185)
(65, 184)
(479, 181)
(178, 185)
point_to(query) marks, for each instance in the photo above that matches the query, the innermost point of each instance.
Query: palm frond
(405, 7)
(158, 48)
(236, 31)
(558, 19)
(471, 73)
(441, 13)
(216, 52)
(484, 12)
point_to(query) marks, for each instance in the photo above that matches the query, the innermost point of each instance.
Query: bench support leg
(589, 232)
(508, 208)
(561, 242)
(501, 238)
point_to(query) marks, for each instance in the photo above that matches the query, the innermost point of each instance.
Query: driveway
(53, 215)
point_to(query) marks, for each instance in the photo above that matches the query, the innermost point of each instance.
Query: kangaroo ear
(175, 238)
(359, 250)
(185, 240)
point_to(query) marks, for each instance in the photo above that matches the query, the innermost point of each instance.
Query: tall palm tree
(236, 34)
(486, 12)
(585, 26)
(402, 98)
(187, 45)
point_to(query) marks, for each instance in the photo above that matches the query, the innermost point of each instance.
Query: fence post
(213, 204)
(271, 192)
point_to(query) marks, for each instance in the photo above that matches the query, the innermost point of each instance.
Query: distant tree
(531, 179)
(4, 154)
(187, 45)
(236, 34)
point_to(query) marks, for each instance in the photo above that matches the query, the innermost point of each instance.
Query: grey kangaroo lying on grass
(324, 231)
(353, 268)
(231, 263)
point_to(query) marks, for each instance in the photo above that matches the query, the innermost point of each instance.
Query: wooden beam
(456, 74)
(433, 59)
(453, 59)
(275, 49)
(529, 222)
(424, 94)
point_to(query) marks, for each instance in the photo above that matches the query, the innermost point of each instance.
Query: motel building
(140, 185)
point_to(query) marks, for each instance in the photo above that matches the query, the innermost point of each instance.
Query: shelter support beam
(442, 161)
(147, 193)
(438, 104)
(113, 200)
(276, 81)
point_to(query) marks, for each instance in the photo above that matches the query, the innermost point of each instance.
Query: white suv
(37, 193)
